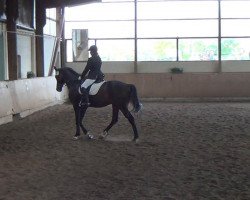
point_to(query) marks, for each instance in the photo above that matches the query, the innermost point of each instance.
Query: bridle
(60, 83)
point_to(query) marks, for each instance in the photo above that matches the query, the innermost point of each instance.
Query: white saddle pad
(95, 88)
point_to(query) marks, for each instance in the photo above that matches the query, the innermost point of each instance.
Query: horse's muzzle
(59, 88)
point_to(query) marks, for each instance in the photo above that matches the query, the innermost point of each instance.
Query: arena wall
(188, 85)
(200, 79)
(23, 97)
(165, 67)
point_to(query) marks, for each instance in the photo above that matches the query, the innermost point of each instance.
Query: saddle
(94, 87)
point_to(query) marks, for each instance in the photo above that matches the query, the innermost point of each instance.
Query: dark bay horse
(116, 93)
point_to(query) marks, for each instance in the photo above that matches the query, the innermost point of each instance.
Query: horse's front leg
(79, 114)
(82, 114)
(77, 121)
(85, 131)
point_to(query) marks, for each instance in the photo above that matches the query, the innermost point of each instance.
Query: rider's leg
(84, 97)
(83, 91)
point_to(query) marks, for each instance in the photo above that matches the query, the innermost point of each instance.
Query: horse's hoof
(75, 138)
(103, 135)
(139, 108)
(136, 140)
(89, 136)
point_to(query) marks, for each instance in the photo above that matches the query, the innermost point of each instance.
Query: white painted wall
(200, 79)
(118, 67)
(188, 85)
(6, 103)
(165, 67)
(27, 96)
(236, 66)
(153, 80)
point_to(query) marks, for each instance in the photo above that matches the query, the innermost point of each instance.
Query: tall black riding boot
(84, 101)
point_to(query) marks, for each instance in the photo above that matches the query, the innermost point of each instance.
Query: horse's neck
(72, 81)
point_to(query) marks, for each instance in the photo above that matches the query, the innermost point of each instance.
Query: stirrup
(82, 104)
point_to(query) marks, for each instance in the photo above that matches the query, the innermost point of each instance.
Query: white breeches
(87, 83)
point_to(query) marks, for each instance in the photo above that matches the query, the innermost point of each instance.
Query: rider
(93, 68)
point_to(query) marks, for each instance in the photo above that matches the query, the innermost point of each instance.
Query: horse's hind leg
(131, 119)
(112, 123)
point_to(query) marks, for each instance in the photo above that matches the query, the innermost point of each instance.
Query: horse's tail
(134, 99)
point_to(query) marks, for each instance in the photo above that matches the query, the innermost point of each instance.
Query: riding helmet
(93, 48)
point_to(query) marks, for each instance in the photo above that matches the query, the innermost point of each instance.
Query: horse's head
(59, 80)
(66, 76)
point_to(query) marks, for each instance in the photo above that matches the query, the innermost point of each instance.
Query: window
(177, 9)
(116, 50)
(198, 49)
(50, 26)
(177, 20)
(166, 30)
(235, 9)
(100, 11)
(235, 49)
(69, 51)
(110, 26)
(235, 27)
(178, 28)
(235, 30)
(49, 38)
(51, 13)
(110, 29)
(157, 50)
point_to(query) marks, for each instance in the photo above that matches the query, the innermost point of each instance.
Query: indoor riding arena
(186, 151)
(189, 62)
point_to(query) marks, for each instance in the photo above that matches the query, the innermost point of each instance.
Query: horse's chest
(73, 94)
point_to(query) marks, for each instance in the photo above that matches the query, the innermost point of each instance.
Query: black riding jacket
(93, 67)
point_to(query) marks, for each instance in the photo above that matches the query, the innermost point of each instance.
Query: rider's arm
(85, 71)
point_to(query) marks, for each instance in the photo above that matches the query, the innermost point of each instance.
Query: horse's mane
(70, 70)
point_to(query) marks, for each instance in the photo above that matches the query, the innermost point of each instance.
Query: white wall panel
(6, 103)
(236, 66)
(26, 96)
